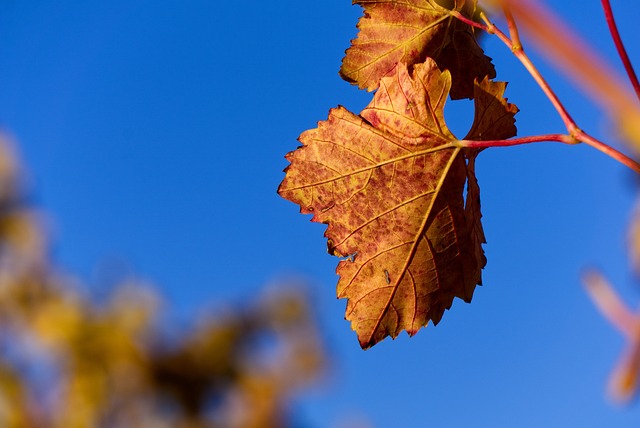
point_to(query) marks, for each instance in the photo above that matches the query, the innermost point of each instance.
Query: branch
(575, 133)
(607, 150)
(624, 379)
(519, 53)
(617, 40)
(513, 28)
(567, 50)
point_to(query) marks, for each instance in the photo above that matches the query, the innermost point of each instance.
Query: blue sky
(154, 134)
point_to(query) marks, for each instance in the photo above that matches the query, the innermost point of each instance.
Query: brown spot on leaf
(394, 193)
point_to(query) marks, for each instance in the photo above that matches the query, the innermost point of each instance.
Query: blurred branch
(576, 134)
(624, 380)
(622, 52)
(580, 62)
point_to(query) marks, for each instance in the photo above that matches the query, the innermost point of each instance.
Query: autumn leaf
(464, 58)
(409, 31)
(494, 117)
(390, 184)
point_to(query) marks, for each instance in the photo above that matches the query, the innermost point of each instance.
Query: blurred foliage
(624, 382)
(568, 51)
(67, 361)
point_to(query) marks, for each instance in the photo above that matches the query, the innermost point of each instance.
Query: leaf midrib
(414, 247)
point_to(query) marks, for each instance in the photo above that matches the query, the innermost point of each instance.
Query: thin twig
(513, 28)
(606, 149)
(575, 133)
(537, 76)
(617, 40)
(578, 59)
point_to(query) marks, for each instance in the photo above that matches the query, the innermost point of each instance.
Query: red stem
(607, 150)
(513, 28)
(468, 21)
(480, 144)
(617, 40)
(575, 133)
(577, 137)
(519, 53)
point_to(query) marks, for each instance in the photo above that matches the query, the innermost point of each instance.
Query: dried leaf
(390, 183)
(408, 32)
(464, 58)
(494, 117)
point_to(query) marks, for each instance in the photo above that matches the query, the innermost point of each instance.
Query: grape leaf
(389, 183)
(494, 116)
(464, 58)
(408, 31)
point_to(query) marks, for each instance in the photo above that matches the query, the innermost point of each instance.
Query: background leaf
(409, 31)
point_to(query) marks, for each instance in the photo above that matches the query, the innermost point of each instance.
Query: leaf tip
(366, 344)
(413, 331)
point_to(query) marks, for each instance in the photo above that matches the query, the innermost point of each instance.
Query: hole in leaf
(458, 116)
(350, 257)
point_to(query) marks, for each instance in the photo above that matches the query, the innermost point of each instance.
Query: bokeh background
(153, 135)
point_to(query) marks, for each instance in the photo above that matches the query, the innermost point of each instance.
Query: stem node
(574, 133)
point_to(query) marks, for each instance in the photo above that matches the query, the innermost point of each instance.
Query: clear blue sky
(154, 133)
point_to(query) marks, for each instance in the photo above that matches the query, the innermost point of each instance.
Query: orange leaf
(390, 183)
(408, 31)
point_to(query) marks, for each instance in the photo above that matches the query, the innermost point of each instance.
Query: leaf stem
(575, 133)
(481, 144)
(577, 137)
(622, 52)
(567, 50)
(519, 53)
(468, 21)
